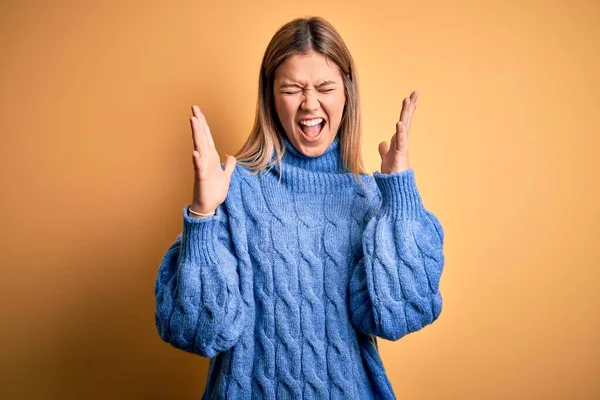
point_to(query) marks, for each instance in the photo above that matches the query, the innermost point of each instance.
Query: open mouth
(312, 132)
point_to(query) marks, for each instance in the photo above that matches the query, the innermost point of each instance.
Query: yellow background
(95, 158)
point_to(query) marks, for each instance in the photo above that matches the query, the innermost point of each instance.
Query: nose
(310, 102)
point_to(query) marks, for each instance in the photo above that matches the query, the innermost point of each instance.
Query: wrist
(199, 213)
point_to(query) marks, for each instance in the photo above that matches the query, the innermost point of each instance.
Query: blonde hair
(300, 36)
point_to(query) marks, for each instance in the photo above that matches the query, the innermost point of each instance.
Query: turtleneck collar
(329, 161)
(320, 175)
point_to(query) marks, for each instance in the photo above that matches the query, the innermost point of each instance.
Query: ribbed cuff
(199, 235)
(400, 196)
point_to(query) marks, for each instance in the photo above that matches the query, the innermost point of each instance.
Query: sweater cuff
(200, 235)
(399, 194)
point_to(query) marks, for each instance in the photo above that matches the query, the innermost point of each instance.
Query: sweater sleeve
(394, 288)
(199, 308)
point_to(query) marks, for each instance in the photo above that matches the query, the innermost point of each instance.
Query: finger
(414, 96)
(196, 131)
(230, 165)
(393, 142)
(207, 131)
(200, 128)
(405, 110)
(400, 135)
(195, 134)
(408, 108)
(196, 160)
(383, 149)
(211, 141)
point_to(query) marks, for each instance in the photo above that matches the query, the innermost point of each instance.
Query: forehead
(307, 68)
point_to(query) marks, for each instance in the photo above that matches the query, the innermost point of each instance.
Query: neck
(329, 161)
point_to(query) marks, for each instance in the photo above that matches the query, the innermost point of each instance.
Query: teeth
(312, 122)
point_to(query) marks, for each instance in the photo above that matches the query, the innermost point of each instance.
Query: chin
(313, 152)
(311, 149)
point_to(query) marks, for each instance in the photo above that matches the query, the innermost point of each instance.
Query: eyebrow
(290, 84)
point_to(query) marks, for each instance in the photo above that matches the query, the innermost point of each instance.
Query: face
(309, 100)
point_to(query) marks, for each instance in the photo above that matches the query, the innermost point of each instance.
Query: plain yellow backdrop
(95, 158)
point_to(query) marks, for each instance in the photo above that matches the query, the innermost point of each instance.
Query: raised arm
(199, 307)
(394, 288)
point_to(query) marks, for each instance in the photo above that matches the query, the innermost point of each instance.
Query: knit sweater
(287, 287)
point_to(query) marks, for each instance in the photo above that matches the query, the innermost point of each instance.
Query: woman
(292, 259)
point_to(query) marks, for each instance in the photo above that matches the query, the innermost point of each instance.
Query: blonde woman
(292, 259)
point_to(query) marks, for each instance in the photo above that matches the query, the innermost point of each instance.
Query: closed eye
(321, 90)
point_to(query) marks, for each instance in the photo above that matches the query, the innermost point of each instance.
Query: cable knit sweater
(287, 287)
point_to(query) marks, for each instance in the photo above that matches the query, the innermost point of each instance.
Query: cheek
(334, 108)
(286, 110)
(282, 110)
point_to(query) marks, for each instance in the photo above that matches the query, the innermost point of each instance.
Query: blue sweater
(287, 287)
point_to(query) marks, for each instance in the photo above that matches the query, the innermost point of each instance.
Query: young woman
(292, 260)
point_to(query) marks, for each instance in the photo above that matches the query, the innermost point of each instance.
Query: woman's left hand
(394, 158)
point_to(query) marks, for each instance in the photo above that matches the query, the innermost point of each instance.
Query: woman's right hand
(211, 182)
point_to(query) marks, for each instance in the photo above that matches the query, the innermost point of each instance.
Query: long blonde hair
(301, 36)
